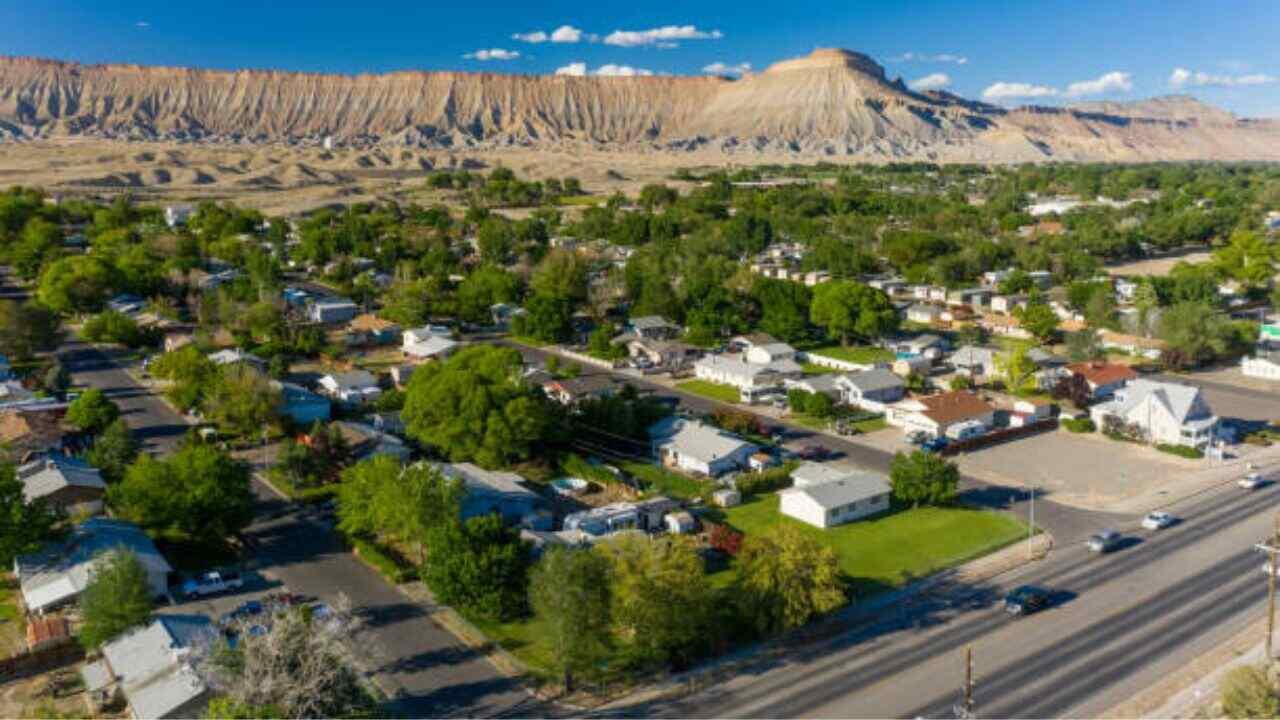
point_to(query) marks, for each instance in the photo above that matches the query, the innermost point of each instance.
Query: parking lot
(257, 588)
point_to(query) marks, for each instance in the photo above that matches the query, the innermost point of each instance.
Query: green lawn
(812, 369)
(527, 639)
(891, 550)
(863, 354)
(871, 425)
(584, 200)
(12, 628)
(715, 391)
(660, 481)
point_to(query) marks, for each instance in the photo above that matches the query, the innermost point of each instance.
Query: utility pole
(1271, 548)
(964, 710)
(1031, 527)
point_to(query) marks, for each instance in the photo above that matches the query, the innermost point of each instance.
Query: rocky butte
(832, 103)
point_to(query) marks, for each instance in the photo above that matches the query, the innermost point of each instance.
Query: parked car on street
(1252, 481)
(934, 445)
(1104, 542)
(1025, 600)
(814, 452)
(212, 583)
(1157, 520)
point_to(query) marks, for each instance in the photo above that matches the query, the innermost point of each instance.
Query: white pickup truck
(212, 583)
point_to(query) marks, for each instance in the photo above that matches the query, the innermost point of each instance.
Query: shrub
(1181, 451)
(383, 561)
(765, 481)
(1082, 425)
(723, 537)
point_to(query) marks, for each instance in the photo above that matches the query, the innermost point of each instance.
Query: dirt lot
(1158, 266)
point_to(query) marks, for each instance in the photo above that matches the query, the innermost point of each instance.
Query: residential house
(1162, 412)
(770, 353)
(695, 447)
(1149, 348)
(354, 387)
(234, 356)
(647, 516)
(421, 346)
(975, 298)
(400, 374)
(937, 294)
(151, 668)
(871, 389)
(367, 441)
(660, 353)
(1104, 378)
(67, 484)
(1125, 289)
(58, 573)
(854, 495)
(1004, 325)
(653, 327)
(570, 391)
(127, 304)
(369, 329)
(825, 384)
(992, 278)
(975, 362)
(301, 405)
(1006, 304)
(332, 311)
(1042, 279)
(175, 215)
(752, 379)
(743, 343)
(493, 492)
(927, 344)
(29, 433)
(908, 365)
(13, 394)
(935, 414)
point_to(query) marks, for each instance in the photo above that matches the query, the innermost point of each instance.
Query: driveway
(427, 670)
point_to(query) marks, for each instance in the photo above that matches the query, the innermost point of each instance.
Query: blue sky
(1223, 51)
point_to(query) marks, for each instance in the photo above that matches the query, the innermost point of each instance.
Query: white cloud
(566, 34)
(719, 68)
(664, 37)
(1181, 77)
(492, 54)
(1008, 91)
(142, 24)
(1112, 82)
(577, 69)
(935, 81)
(531, 37)
(923, 57)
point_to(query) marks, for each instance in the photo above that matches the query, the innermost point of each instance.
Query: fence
(837, 364)
(999, 436)
(584, 358)
(26, 664)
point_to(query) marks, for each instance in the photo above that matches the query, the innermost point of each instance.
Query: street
(429, 671)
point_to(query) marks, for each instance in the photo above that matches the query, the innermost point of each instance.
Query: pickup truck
(212, 583)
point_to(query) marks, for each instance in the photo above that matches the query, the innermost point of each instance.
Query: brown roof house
(934, 415)
(29, 433)
(1104, 378)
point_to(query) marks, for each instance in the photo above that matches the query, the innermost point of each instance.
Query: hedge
(1082, 425)
(1181, 451)
(382, 560)
(765, 481)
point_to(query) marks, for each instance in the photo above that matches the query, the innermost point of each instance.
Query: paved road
(431, 672)
(1064, 523)
(1232, 401)
(1119, 624)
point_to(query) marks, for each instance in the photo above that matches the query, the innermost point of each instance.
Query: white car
(1157, 520)
(1266, 568)
(1252, 481)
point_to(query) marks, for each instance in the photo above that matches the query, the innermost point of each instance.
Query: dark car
(814, 452)
(1026, 600)
(934, 445)
(245, 610)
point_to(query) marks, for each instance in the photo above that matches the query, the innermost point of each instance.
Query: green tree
(379, 496)
(546, 319)
(226, 708)
(190, 373)
(561, 274)
(1247, 692)
(846, 308)
(113, 451)
(1247, 257)
(569, 594)
(92, 412)
(1084, 345)
(923, 478)
(480, 566)
(1039, 320)
(23, 525)
(1195, 333)
(118, 597)
(1145, 301)
(784, 307)
(661, 600)
(27, 328)
(198, 492)
(242, 400)
(475, 407)
(111, 326)
(76, 284)
(40, 243)
(786, 578)
(1017, 369)
(482, 289)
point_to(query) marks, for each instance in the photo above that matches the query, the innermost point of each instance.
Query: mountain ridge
(831, 103)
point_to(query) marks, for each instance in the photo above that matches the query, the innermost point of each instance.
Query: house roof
(696, 440)
(735, 364)
(12, 391)
(950, 407)
(650, 322)
(814, 473)
(775, 348)
(1180, 400)
(430, 347)
(492, 482)
(854, 486)
(827, 382)
(294, 394)
(20, 426)
(61, 571)
(368, 322)
(971, 355)
(353, 379)
(1103, 373)
(49, 475)
(873, 380)
(585, 384)
(233, 355)
(151, 664)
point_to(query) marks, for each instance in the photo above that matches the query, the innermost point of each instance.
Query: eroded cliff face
(833, 103)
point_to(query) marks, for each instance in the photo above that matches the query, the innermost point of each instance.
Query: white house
(332, 311)
(151, 667)
(1163, 412)
(770, 353)
(430, 347)
(752, 379)
(57, 574)
(923, 313)
(1006, 304)
(851, 496)
(975, 362)
(696, 447)
(934, 414)
(871, 390)
(355, 387)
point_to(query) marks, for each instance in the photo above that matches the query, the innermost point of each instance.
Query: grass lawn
(660, 481)
(583, 200)
(528, 639)
(13, 631)
(871, 425)
(812, 369)
(891, 550)
(810, 421)
(863, 354)
(715, 391)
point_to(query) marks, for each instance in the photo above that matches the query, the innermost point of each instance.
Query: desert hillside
(833, 103)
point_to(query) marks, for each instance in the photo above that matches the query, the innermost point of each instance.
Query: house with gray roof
(696, 447)
(825, 384)
(355, 387)
(58, 573)
(150, 667)
(871, 389)
(973, 361)
(67, 484)
(1162, 412)
(835, 496)
(752, 379)
(653, 327)
(492, 491)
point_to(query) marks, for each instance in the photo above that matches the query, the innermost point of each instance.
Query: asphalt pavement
(428, 671)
